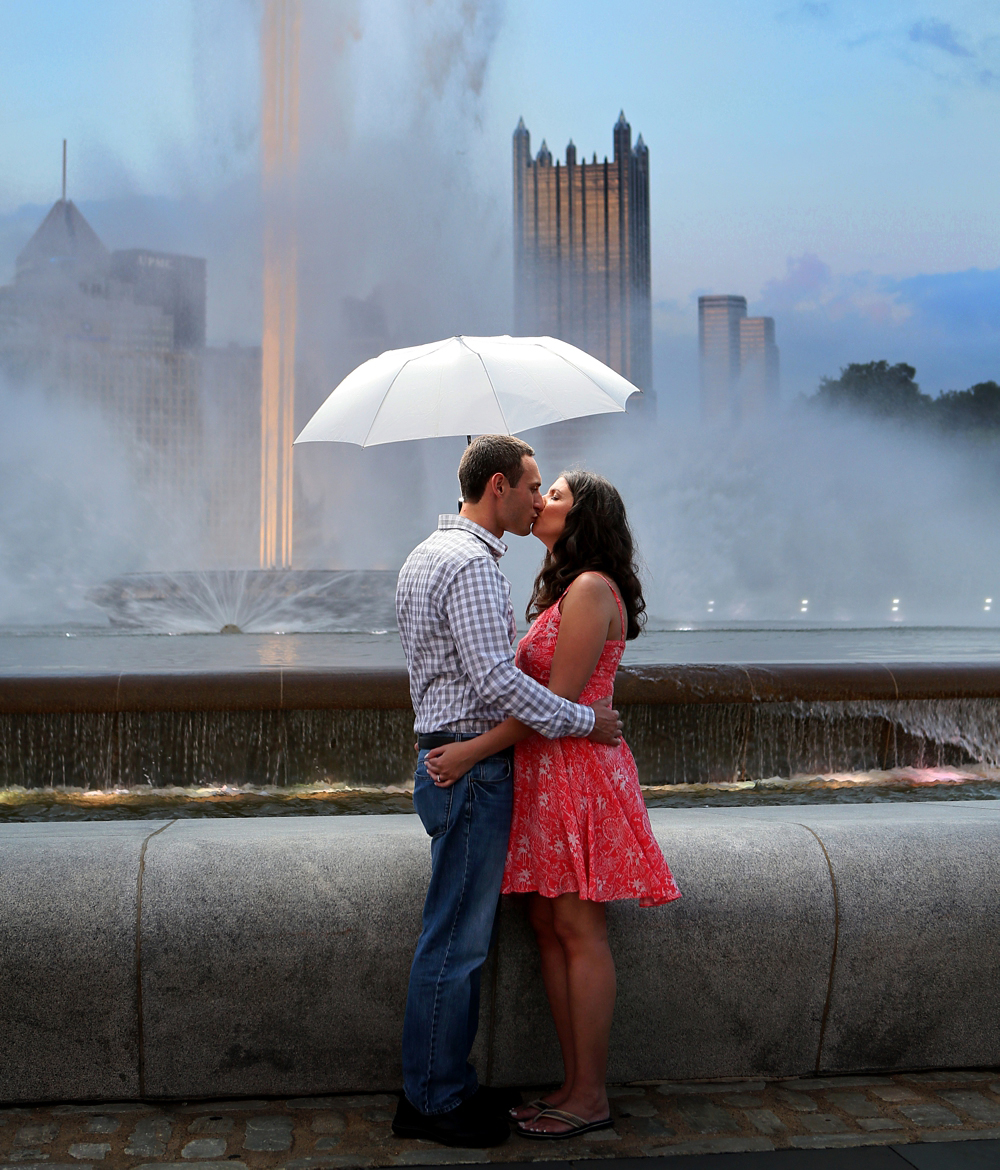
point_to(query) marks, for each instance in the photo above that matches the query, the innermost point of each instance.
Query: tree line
(891, 392)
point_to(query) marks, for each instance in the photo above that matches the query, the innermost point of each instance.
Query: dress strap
(618, 602)
(614, 594)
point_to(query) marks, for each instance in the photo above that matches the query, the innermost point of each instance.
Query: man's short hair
(484, 457)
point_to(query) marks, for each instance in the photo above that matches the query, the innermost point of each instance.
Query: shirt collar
(493, 543)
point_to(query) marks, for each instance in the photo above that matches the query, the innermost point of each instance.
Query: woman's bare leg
(540, 914)
(580, 928)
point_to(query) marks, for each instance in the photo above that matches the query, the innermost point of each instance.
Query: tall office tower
(64, 292)
(581, 251)
(739, 360)
(758, 384)
(176, 284)
(719, 348)
(127, 336)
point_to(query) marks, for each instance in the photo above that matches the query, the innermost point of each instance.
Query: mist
(404, 238)
(811, 516)
(71, 513)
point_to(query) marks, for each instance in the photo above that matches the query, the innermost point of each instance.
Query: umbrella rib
(389, 388)
(573, 365)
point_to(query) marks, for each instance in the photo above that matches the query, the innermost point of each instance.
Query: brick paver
(315, 1133)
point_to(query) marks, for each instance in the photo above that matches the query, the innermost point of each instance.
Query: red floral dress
(579, 821)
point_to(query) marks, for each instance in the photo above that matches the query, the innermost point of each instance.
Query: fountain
(175, 959)
(251, 601)
(735, 735)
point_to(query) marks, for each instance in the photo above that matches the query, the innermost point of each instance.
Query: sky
(834, 162)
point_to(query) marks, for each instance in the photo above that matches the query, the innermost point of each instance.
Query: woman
(580, 835)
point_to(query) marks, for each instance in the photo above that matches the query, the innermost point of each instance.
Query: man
(457, 627)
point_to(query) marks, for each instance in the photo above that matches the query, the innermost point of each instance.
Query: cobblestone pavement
(311, 1133)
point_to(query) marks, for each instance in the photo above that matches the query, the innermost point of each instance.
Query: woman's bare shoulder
(593, 587)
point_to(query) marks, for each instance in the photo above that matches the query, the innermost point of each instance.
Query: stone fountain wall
(207, 959)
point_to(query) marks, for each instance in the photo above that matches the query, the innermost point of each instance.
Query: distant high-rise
(581, 251)
(176, 284)
(125, 332)
(739, 359)
(719, 349)
(758, 384)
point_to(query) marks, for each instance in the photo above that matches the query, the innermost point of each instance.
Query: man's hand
(607, 725)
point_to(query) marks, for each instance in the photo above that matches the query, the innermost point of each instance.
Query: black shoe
(465, 1126)
(496, 1102)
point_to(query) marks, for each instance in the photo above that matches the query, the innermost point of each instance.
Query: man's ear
(498, 482)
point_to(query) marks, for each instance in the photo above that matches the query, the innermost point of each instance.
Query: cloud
(957, 303)
(946, 324)
(807, 10)
(809, 286)
(805, 277)
(954, 57)
(941, 35)
(866, 38)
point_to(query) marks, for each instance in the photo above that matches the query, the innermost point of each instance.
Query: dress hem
(644, 900)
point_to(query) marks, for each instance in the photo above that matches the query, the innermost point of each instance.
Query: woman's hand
(448, 764)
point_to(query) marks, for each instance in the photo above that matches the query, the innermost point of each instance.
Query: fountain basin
(270, 957)
(296, 688)
(285, 727)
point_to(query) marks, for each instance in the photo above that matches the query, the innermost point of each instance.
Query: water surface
(903, 784)
(88, 650)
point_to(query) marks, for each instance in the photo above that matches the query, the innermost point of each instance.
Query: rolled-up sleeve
(475, 605)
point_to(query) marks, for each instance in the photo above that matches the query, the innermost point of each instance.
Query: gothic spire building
(581, 251)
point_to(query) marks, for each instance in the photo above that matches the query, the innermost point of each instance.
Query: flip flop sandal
(538, 1104)
(578, 1125)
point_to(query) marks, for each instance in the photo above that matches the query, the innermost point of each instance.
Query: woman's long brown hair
(596, 538)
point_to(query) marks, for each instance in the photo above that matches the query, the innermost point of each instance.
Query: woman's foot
(588, 1110)
(531, 1109)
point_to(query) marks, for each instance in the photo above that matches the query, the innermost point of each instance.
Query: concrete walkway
(930, 1121)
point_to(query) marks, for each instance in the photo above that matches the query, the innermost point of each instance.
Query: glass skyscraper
(581, 251)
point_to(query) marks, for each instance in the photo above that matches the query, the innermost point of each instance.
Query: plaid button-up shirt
(457, 627)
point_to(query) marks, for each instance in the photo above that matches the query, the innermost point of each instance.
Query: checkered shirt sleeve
(481, 619)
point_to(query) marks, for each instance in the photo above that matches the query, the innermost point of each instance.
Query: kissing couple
(523, 784)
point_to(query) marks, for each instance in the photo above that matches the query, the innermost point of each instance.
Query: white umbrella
(466, 386)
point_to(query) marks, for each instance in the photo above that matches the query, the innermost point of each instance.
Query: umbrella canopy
(466, 386)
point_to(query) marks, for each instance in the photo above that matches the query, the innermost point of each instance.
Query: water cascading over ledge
(685, 724)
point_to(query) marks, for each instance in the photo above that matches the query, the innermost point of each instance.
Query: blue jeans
(469, 824)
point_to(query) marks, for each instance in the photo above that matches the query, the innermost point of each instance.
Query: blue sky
(835, 162)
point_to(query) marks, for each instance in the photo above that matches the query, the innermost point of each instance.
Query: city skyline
(865, 217)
